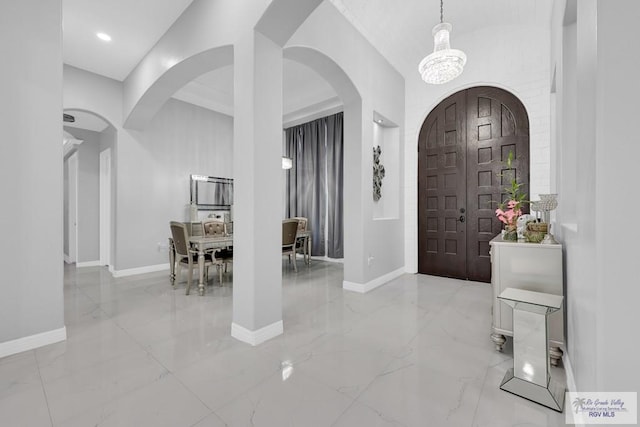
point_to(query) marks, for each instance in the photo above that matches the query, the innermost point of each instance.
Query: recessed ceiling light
(104, 37)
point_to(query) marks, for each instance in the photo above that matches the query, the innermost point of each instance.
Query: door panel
(463, 145)
(496, 125)
(441, 162)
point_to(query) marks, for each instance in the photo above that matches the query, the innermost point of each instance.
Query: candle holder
(546, 204)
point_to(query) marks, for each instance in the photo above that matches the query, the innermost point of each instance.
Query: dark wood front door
(462, 149)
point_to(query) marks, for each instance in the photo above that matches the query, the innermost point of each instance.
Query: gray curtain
(316, 175)
(335, 244)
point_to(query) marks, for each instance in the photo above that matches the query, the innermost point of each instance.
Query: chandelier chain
(441, 13)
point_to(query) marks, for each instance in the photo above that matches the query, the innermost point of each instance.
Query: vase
(510, 233)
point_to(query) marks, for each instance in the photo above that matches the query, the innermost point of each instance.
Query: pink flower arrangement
(511, 214)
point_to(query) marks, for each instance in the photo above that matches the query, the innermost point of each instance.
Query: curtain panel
(314, 183)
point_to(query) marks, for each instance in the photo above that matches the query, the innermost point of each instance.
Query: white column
(31, 176)
(257, 272)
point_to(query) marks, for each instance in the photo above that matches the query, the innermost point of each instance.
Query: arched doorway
(462, 147)
(90, 140)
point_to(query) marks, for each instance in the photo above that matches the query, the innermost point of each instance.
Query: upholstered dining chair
(221, 257)
(289, 238)
(302, 242)
(185, 256)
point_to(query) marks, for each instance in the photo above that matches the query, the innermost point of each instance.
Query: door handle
(461, 219)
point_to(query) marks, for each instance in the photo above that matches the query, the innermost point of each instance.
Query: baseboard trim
(32, 341)
(571, 380)
(363, 288)
(88, 264)
(256, 337)
(327, 259)
(139, 270)
(67, 259)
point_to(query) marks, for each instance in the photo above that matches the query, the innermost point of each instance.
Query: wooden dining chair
(303, 241)
(221, 257)
(289, 238)
(184, 255)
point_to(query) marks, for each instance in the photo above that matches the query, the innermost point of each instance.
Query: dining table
(204, 244)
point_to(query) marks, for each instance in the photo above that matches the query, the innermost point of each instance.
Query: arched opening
(462, 148)
(176, 77)
(346, 91)
(90, 141)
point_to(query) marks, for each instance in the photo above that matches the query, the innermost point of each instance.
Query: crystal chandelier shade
(444, 64)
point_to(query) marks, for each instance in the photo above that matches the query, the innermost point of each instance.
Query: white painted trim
(139, 270)
(32, 341)
(410, 269)
(568, 369)
(327, 259)
(67, 259)
(112, 270)
(256, 337)
(571, 379)
(309, 113)
(363, 288)
(88, 264)
(105, 207)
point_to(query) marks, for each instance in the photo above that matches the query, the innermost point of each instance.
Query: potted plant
(510, 209)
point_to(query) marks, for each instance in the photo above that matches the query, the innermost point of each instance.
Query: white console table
(532, 267)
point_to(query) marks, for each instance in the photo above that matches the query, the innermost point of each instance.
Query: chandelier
(444, 64)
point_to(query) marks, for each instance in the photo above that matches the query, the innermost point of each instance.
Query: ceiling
(401, 34)
(135, 26)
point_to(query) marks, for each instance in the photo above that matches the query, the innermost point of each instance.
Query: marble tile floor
(415, 352)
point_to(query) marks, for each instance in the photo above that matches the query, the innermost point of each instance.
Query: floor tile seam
(120, 397)
(335, 421)
(433, 318)
(381, 414)
(382, 372)
(242, 394)
(484, 381)
(194, 394)
(205, 417)
(44, 391)
(88, 368)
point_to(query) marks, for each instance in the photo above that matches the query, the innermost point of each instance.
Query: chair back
(289, 232)
(180, 238)
(213, 227)
(302, 222)
(195, 228)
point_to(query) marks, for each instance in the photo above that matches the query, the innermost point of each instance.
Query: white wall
(31, 174)
(109, 140)
(388, 138)
(514, 58)
(154, 168)
(151, 168)
(381, 89)
(617, 154)
(600, 168)
(88, 219)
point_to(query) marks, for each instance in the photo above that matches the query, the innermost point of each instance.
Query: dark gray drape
(307, 179)
(335, 181)
(316, 150)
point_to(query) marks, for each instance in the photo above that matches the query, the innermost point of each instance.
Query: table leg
(201, 271)
(309, 250)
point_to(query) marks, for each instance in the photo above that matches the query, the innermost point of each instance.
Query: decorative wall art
(378, 173)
